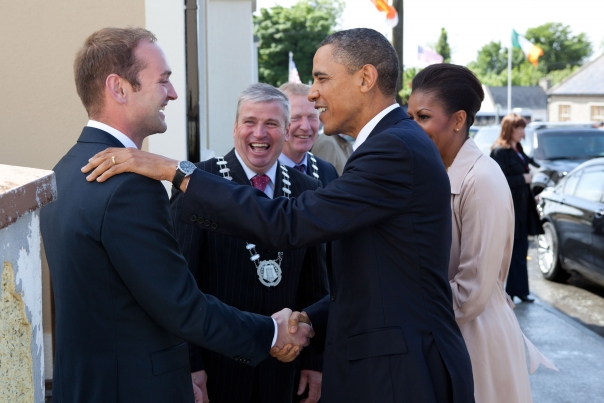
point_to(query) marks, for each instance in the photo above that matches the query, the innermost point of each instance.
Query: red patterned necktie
(300, 167)
(260, 182)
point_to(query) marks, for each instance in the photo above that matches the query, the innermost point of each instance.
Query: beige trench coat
(481, 248)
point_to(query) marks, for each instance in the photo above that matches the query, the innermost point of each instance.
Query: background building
(579, 97)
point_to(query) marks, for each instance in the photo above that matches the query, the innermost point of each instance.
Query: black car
(572, 213)
(559, 149)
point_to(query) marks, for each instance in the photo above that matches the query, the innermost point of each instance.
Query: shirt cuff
(276, 332)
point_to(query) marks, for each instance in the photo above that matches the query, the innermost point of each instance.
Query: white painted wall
(166, 19)
(227, 66)
(230, 67)
(580, 107)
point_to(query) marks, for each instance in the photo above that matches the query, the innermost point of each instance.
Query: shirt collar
(366, 131)
(463, 162)
(271, 173)
(288, 162)
(125, 140)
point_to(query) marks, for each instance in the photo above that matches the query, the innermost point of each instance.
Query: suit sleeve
(313, 286)
(138, 236)
(375, 187)
(189, 238)
(485, 241)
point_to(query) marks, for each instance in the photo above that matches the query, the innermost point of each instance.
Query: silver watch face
(186, 167)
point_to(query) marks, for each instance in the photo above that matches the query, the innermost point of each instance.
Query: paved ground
(575, 349)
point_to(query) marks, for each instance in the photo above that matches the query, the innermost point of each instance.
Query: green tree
(563, 54)
(442, 46)
(560, 48)
(408, 75)
(298, 29)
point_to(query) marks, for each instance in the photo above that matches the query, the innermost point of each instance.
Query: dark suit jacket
(526, 218)
(222, 267)
(125, 302)
(327, 172)
(391, 331)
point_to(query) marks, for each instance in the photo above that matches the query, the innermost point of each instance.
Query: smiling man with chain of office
(250, 276)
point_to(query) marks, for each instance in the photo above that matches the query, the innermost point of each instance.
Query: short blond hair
(290, 89)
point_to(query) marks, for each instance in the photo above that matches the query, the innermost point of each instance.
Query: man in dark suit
(125, 302)
(303, 133)
(389, 327)
(222, 264)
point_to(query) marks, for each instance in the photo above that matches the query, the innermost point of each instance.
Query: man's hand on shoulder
(115, 161)
(290, 339)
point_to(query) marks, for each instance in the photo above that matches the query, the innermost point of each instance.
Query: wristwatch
(183, 169)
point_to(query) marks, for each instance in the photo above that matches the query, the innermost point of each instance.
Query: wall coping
(23, 190)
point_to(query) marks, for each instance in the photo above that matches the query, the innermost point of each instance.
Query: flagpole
(510, 76)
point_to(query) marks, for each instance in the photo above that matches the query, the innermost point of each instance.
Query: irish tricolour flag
(532, 52)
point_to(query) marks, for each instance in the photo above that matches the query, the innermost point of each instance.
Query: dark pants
(517, 284)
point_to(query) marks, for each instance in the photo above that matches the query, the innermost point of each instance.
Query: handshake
(294, 331)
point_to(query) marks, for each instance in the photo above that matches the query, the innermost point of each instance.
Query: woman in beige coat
(444, 102)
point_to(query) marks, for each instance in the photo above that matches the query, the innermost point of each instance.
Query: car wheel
(549, 261)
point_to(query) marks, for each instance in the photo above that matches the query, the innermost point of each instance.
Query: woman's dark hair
(455, 87)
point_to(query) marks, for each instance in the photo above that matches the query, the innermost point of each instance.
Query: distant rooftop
(588, 80)
(522, 97)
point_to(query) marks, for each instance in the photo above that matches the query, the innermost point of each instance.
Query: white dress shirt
(366, 131)
(269, 191)
(271, 173)
(125, 140)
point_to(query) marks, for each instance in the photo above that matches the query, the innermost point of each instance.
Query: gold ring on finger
(113, 159)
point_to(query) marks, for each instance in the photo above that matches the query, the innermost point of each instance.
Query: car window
(486, 137)
(570, 183)
(591, 185)
(570, 144)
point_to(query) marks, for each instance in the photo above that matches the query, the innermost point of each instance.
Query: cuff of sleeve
(276, 332)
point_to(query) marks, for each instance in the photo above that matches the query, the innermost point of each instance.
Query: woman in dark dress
(514, 163)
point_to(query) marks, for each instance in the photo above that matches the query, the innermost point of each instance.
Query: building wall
(230, 67)
(166, 20)
(22, 360)
(580, 107)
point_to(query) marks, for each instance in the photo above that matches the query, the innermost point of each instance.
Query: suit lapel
(94, 135)
(392, 118)
(237, 171)
(279, 182)
(308, 165)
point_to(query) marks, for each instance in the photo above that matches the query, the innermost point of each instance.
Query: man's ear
(369, 75)
(287, 131)
(117, 88)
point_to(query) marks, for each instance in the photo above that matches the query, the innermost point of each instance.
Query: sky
(471, 24)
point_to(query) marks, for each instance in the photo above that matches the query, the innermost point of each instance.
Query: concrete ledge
(23, 190)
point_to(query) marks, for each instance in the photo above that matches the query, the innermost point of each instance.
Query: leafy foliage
(442, 46)
(563, 55)
(298, 29)
(560, 47)
(408, 75)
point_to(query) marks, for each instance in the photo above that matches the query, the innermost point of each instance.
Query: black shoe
(526, 298)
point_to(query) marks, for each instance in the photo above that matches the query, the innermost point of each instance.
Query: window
(563, 113)
(597, 113)
(591, 185)
(570, 183)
